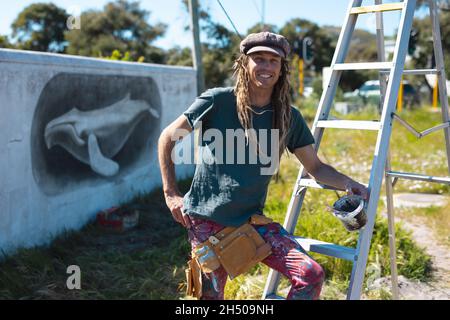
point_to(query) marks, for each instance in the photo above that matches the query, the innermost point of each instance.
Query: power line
(257, 8)
(229, 19)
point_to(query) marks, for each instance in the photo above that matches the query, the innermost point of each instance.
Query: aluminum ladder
(381, 160)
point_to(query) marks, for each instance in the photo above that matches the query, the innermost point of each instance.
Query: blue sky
(244, 14)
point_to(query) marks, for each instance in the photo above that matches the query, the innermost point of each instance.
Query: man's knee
(314, 273)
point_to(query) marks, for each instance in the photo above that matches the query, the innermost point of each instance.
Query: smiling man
(227, 194)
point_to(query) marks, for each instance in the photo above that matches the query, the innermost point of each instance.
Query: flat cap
(265, 41)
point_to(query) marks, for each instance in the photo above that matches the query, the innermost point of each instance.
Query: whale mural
(91, 129)
(94, 137)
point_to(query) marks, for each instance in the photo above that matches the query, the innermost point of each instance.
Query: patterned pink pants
(288, 258)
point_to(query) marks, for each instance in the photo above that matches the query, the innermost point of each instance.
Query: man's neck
(260, 97)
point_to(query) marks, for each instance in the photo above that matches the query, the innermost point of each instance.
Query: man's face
(264, 69)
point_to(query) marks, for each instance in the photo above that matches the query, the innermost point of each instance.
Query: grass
(148, 262)
(145, 263)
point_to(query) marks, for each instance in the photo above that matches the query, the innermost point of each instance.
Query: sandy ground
(439, 287)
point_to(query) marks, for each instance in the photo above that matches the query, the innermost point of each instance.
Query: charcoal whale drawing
(94, 137)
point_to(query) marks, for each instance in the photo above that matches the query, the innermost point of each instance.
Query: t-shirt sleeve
(299, 133)
(199, 108)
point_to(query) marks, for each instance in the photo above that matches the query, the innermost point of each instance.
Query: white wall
(44, 191)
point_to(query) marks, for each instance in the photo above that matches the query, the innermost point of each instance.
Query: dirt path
(439, 286)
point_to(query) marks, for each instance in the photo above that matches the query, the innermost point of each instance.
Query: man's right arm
(177, 130)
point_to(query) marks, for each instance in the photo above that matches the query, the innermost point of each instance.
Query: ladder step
(378, 8)
(420, 177)
(415, 71)
(311, 183)
(349, 124)
(328, 249)
(274, 297)
(420, 71)
(363, 66)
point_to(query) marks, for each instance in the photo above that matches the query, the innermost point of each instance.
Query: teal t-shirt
(228, 185)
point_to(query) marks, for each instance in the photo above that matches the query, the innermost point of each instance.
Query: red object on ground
(118, 219)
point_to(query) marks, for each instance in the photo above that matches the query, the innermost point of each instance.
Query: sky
(244, 13)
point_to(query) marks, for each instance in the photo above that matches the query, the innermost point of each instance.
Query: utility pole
(196, 48)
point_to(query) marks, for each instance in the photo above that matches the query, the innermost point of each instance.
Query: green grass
(148, 262)
(145, 263)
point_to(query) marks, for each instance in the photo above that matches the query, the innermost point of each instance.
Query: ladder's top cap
(265, 41)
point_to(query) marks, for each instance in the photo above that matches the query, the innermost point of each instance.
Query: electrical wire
(229, 19)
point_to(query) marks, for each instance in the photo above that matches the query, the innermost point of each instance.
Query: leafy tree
(179, 56)
(259, 28)
(40, 27)
(218, 51)
(363, 48)
(297, 28)
(123, 26)
(423, 57)
(4, 42)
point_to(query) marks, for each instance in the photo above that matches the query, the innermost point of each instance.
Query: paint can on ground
(118, 219)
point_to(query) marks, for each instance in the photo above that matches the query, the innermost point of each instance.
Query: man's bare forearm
(165, 147)
(326, 174)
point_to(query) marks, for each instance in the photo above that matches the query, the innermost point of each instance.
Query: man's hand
(174, 200)
(353, 187)
(175, 203)
(326, 174)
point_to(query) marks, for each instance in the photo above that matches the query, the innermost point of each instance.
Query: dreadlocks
(280, 99)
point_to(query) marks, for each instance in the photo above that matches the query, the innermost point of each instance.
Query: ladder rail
(439, 57)
(381, 148)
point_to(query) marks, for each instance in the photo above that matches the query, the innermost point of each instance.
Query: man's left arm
(326, 174)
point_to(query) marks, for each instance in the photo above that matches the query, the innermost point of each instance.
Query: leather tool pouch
(239, 249)
(236, 249)
(194, 279)
(206, 257)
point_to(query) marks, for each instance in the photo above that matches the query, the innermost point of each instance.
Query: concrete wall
(78, 135)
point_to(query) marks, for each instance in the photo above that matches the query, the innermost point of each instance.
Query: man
(227, 194)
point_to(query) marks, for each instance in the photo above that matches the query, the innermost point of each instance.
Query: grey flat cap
(265, 41)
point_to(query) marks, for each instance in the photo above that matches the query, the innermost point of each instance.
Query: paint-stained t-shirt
(226, 188)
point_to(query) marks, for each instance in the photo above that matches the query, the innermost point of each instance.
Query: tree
(40, 27)
(122, 26)
(260, 28)
(297, 28)
(179, 56)
(4, 42)
(423, 57)
(363, 48)
(218, 51)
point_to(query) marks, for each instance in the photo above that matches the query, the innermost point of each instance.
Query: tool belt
(235, 249)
